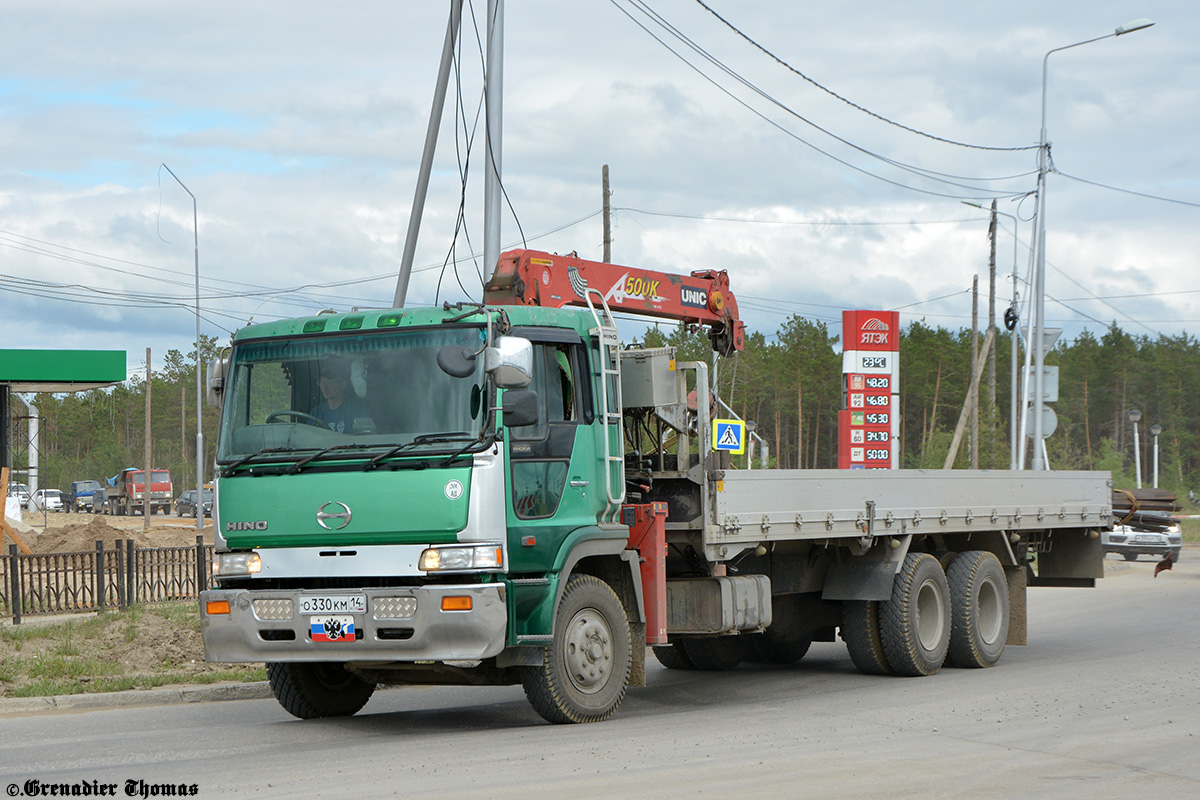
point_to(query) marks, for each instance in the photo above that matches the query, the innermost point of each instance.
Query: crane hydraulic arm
(531, 277)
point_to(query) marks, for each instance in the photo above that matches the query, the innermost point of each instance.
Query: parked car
(185, 505)
(1135, 539)
(19, 491)
(46, 499)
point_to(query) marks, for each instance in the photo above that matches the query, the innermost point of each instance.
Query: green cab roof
(577, 319)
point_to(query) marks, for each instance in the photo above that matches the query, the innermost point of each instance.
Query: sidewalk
(184, 693)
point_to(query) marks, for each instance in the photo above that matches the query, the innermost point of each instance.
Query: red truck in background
(125, 496)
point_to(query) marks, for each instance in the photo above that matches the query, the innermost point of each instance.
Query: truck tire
(672, 656)
(914, 624)
(315, 690)
(979, 609)
(768, 648)
(716, 654)
(585, 670)
(860, 631)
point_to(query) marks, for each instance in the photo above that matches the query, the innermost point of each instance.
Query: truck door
(553, 464)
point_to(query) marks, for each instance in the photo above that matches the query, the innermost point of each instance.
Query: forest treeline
(787, 383)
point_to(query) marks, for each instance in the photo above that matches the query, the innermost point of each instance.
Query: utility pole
(146, 476)
(426, 169)
(973, 391)
(494, 114)
(607, 224)
(992, 313)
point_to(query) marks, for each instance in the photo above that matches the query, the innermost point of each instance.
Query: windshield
(358, 392)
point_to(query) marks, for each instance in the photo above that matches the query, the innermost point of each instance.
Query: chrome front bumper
(399, 624)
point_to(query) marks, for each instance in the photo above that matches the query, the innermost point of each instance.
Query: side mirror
(510, 362)
(520, 407)
(216, 380)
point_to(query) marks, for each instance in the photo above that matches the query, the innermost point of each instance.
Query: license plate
(1146, 540)
(331, 629)
(333, 604)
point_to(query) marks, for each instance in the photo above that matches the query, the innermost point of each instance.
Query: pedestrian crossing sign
(729, 435)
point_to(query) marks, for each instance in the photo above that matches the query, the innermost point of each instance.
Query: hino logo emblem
(333, 513)
(256, 525)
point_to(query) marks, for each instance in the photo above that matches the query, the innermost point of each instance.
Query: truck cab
(427, 523)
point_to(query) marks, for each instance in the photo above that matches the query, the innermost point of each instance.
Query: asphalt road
(1104, 702)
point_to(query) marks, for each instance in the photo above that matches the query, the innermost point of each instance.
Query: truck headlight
(476, 557)
(229, 565)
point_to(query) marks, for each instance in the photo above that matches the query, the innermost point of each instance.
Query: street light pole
(1012, 410)
(1039, 276)
(199, 391)
(1134, 417)
(1155, 430)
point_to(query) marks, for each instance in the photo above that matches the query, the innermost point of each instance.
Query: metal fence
(55, 583)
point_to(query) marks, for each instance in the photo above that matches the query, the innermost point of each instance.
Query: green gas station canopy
(61, 370)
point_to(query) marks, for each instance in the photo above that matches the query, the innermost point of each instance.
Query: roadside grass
(96, 653)
(1191, 529)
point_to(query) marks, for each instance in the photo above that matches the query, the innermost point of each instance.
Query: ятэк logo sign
(874, 331)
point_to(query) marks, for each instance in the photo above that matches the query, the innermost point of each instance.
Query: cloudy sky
(832, 180)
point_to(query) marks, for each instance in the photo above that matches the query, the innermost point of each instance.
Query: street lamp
(1134, 417)
(199, 391)
(1012, 410)
(1155, 430)
(1039, 276)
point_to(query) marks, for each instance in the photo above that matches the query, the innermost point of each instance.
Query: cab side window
(541, 453)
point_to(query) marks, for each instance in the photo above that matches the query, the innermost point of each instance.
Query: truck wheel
(860, 631)
(314, 690)
(914, 624)
(585, 670)
(716, 654)
(770, 649)
(979, 615)
(1130, 556)
(672, 656)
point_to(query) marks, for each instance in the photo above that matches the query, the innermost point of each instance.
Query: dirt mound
(79, 538)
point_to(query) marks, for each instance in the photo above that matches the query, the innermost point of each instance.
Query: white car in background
(19, 491)
(46, 499)
(1133, 540)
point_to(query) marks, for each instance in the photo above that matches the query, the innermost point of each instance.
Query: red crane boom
(531, 277)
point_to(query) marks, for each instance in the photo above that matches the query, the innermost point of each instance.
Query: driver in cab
(340, 407)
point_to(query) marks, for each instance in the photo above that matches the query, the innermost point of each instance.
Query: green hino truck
(501, 494)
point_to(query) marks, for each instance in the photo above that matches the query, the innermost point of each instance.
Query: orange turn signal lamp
(456, 603)
(215, 607)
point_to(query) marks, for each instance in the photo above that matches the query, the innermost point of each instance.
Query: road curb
(136, 697)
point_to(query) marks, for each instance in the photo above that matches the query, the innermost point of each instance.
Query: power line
(1131, 296)
(1127, 191)
(662, 22)
(850, 103)
(814, 223)
(792, 112)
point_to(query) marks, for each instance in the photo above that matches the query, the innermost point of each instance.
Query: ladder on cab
(610, 404)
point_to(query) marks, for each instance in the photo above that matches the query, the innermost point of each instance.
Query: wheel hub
(588, 651)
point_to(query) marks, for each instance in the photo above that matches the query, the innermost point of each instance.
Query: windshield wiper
(428, 438)
(299, 465)
(451, 458)
(255, 455)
